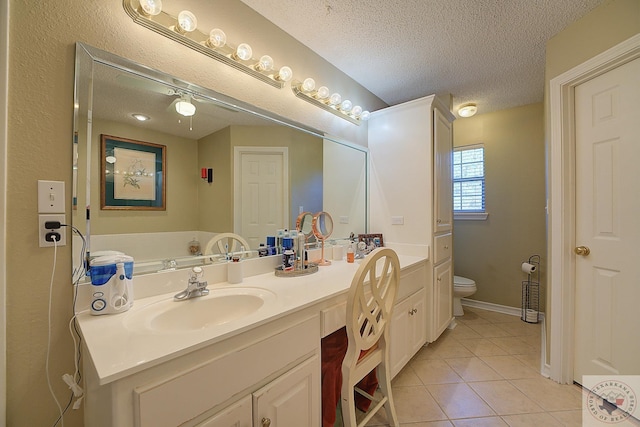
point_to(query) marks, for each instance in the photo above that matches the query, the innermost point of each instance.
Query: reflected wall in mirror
(266, 170)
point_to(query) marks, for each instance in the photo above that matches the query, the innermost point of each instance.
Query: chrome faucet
(195, 287)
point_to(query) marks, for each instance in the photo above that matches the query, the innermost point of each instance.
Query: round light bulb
(467, 110)
(243, 52)
(284, 74)
(151, 7)
(356, 111)
(365, 115)
(335, 99)
(346, 106)
(308, 84)
(185, 108)
(322, 92)
(265, 63)
(217, 38)
(187, 22)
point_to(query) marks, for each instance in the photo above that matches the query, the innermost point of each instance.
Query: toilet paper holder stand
(531, 291)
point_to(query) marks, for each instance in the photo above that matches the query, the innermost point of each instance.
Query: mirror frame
(97, 56)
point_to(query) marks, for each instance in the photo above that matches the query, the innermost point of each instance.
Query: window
(468, 182)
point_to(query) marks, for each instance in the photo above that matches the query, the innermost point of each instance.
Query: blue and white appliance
(112, 284)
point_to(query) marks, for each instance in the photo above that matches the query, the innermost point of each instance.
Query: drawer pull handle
(446, 246)
(266, 422)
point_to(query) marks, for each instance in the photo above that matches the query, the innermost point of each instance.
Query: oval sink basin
(219, 307)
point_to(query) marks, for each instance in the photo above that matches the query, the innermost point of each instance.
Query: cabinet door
(418, 321)
(443, 297)
(442, 173)
(291, 400)
(399, 336)
(236, 415)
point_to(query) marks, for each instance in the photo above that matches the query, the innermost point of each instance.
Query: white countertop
(118, 349)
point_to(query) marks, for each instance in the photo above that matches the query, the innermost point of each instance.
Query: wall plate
(42, 231)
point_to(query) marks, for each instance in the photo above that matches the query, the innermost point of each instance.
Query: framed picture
(372, 241)
(133, 174)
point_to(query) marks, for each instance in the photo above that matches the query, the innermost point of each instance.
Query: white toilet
(462, 287)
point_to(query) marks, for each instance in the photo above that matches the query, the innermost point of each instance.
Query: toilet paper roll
(528, 268)
(234, 272)
(338, 252)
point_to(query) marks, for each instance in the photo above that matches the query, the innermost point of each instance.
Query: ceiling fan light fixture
(467, 110)
(185, 108)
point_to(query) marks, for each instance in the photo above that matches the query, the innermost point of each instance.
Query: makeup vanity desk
(259, 369)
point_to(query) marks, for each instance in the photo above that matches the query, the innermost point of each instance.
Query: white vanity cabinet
(411, 193)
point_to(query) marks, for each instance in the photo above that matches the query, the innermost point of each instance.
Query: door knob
(266, 422)
(582, 250)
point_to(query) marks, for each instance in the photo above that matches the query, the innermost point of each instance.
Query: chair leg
(385, 388)
(348, 405)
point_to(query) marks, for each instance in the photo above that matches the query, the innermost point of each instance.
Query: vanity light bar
(240, 59)
(332, 103)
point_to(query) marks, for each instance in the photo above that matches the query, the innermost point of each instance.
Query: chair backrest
(370, 301)
(232, 241)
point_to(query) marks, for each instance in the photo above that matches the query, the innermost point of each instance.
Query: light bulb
(217, 38)
(150, 7)
(265, 63)
(356, 111)
(187, 22)
(365, 115)
(284, 74)
(322, 92)
(335, 99)
(346, 106)
(308, 84)
(243, 51)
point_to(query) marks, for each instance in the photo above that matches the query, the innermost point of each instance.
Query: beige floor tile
(504, 398)
(443, 350)
(568, 418)
(549, 394)
(494, 317)
(510, 367)
(480, 422)
(513, 345)
(532, 420)
(532, 360)
(434, 371)
(491, 329)
(428, 424)
(406, 377)
(470, 318)
(459, 401)
(463, 331)
(482, 347)
(517, 329)
(473, 369)
(413, 404)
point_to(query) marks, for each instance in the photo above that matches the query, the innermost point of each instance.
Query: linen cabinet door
(236, 415)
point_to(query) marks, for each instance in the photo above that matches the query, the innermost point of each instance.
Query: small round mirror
(304, 224)
(322, 229)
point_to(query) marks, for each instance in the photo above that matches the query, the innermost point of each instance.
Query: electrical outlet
(46, 235)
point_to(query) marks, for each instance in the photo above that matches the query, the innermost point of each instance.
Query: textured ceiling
(491, 52)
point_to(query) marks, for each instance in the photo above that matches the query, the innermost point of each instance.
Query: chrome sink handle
(195, 287)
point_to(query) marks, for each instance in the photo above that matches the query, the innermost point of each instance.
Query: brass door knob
(582, 250)
(266, 422)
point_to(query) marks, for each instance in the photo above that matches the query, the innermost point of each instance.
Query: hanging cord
(73, 381)
(53, 272)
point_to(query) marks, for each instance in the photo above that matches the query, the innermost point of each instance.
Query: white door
(263, 202)
(607, 311)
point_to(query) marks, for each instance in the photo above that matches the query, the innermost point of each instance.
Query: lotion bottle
(350, 254)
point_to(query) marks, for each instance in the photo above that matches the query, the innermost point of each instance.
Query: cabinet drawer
(443, 248)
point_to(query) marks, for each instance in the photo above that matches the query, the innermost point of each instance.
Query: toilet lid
(463, 281)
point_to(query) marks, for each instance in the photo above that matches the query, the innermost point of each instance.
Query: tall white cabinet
(411, 199)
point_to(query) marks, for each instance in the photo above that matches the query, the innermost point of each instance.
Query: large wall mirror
(265, 170)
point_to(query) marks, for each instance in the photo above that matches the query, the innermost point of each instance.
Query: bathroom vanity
(166, 363)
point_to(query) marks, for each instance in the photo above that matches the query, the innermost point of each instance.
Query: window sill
(470, 216)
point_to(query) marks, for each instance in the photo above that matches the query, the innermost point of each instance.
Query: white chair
(369, 305)
(224, 243)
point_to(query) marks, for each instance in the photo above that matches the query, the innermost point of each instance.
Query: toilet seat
(463, 281)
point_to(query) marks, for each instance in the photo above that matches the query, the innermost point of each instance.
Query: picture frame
(133, 174)
(373, 240)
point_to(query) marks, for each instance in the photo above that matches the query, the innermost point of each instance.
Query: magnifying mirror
(322, 227)
(304, 224)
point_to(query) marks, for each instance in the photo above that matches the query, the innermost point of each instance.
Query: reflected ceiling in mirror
(320, 173)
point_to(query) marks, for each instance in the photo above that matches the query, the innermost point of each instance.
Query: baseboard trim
(505, 309)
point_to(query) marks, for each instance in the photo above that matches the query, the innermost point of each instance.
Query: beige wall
(604, 27)
(41, 69)
(491, 252)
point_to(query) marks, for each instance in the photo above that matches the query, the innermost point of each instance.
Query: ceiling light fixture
(467, 110)
(140, 117)
(332, 103)
(183, 29)
(184, 107)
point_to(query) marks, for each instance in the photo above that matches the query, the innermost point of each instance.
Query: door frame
(4, 109)
(238, 152)
(561, 201)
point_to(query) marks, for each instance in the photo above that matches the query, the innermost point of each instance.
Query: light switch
(51, 196)
(397, 220)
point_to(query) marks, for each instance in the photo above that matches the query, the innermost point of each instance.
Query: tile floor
(484, 372)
